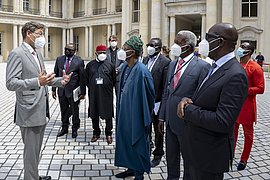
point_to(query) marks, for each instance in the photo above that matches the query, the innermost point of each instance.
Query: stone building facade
(88, 23)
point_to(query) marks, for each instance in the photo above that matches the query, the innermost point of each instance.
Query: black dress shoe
(125, 174)
(95, 138)
(62, 133)
(74, 134)
(109, 139)
(241, 165)
(45, 177)
(155, 162)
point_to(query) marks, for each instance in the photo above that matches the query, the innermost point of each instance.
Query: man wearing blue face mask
(158, 66)
(248, 114)
(70, 63)
(101, 77)
(184, 75)
(211, 113)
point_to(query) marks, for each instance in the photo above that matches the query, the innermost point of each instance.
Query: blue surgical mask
(241, 52)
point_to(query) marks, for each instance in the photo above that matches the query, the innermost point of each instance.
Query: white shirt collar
(225, 59)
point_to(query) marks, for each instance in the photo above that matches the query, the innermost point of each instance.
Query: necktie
(178, 73)
(67, 64)
(36, 59)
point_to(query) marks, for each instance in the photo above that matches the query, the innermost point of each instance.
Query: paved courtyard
(66, 158)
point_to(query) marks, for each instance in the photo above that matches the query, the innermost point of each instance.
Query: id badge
(99, 80)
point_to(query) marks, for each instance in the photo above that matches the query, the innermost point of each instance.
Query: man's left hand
(66, 77)
(181, 106)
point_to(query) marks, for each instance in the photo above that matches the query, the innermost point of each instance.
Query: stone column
(20, 35)
(91, 41)
(15, 36)
(144, 23)
(71, 35)
(211, 13)
(63, 39)
(108, 7)
(68, 39)
(42, 7)
(113, 6)
(113, 29)
(64, 9)
(203, 30)
(227, 13)
(16, 6)
(86, 41)
(90, 8)
(47, 13)
(109, 33)
(156, 18)
(86, 2)
(71, 9)
(46, 52)
(126, 22)
(20, 6)
(172, 29)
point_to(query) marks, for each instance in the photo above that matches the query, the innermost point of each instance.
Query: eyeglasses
(67, 49)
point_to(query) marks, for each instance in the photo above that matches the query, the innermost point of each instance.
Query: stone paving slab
(66, 158)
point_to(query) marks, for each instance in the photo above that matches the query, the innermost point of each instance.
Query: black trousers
(158, 151)
(68, 107)
(108, 128)
(173, 156)
(202, 175)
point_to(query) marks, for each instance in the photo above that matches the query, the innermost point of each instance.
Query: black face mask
(69, 52)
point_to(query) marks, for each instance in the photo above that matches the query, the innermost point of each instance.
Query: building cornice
(250, 28)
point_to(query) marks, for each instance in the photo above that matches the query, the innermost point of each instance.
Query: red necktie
(67, 64)
(178, 73)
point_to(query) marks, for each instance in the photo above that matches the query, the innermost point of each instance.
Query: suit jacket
(22, 77)
(208, 138)
(77, 78)
(159, 73)
(195, 72)
(118, 63)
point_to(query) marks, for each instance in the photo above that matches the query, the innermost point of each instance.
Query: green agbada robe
(135, 104)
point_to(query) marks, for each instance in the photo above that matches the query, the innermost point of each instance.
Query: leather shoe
(95, 138)
(74, 134)
(155, 162)
(109, 139)
(45, 177)
(125, 174)
(62, 133)
(241, 165)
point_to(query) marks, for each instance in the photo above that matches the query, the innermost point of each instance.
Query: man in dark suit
(70, 63)
(158, 66)
(212, 112)
(184, 75)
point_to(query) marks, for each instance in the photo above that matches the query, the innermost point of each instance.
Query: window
(136, 11)
(249, 8)
(0, 3)
(26, 5)
(0, 44)
(50, 6)
(76, 42)
(49, 43)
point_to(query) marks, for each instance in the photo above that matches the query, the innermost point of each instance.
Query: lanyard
(153, 63)
(169, 82)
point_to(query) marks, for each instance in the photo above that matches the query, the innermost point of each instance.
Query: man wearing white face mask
(158, 66)
(111, 53)
(101, 77)
(70, 63)
(184, 75)
(26, 75)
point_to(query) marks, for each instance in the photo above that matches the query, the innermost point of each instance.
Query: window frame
(49, 43)
(135, 11)
(26, 5)
(249, 3)
(76, 42)
(1, 37)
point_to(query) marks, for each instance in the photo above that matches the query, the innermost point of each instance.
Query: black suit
(159, 73)
(194, 73)
(208, 138)
(67, 104)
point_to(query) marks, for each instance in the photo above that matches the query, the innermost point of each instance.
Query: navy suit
(65, 94)
(208, 138)
(193, 75)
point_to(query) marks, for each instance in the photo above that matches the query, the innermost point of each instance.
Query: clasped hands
(182, 105)
(45, 79)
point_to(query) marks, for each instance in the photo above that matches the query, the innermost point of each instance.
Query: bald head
(225, 30)
(70, 46)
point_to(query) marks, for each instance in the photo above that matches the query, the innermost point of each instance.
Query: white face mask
(121, 55)
(113, 43)
(40, 42)
(151, 50)
(176, 50)
(102, 57)
(204, 48)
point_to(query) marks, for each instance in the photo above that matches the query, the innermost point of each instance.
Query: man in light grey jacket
(26, 75)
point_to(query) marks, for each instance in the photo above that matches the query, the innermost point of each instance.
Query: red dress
(255, 75)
